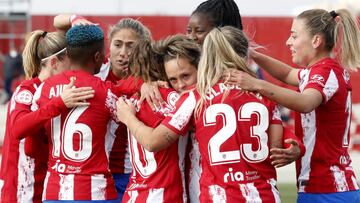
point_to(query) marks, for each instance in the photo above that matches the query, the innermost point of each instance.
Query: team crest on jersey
(24, 97)
(318, 78)
(172, 98)
(166, 108)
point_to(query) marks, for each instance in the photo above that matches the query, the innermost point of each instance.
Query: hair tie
(44, 34)
(55, 54)
(333, 14)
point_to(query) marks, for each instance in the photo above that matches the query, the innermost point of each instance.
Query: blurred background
(266, 22)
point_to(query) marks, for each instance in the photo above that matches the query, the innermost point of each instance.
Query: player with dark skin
(219, 13)
(210, 14)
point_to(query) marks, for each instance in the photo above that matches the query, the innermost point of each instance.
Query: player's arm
(21, 107)
(152, 139)
(303, 102)
(293, 143)
(148, 90)
(276, 136)
(293, 150)
(128, 86)
(276, 68)
(30, 123)
(36, 146)
(21, 121)
(62, 22)
(66, 21)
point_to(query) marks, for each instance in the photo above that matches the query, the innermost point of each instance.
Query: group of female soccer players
(79, 129)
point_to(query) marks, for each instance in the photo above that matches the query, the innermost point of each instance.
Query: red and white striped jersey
(193, 168)
(119, 161)
(325, 167)
(78, 163)
(157, 176)
(22, 177)
(232, 135)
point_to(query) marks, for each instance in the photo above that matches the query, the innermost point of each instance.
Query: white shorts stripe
(45, 185)
(98, 187)
(133, 195)
(182, 145)
(250, 193)
(1, 186)
(356, 186)
(195, 170)
(155, 195)
(66, 187)
(275, 192)
(26, 179)
(309, 142)
(217, 194)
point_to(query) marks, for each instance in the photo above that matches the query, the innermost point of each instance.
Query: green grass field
(288, 192)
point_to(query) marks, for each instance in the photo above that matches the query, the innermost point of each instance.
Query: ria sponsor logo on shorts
(233, 176)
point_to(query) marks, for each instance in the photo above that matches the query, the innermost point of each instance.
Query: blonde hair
(339, 29)
(223, 48)
(40, 45)
(128, 23)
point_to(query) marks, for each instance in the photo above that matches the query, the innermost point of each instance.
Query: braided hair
(221, 13)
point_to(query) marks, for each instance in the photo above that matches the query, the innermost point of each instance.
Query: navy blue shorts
(121, 181)
(337, 197)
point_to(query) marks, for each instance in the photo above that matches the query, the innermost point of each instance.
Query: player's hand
(124, 109)
(252, 52)
(73, 97)
(82, 21)
(162, 84)
(281, 157)
(150, 92)
(239, 78)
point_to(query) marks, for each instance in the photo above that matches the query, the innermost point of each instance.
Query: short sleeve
(275, 114)
(324, 80)
(180, 119)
